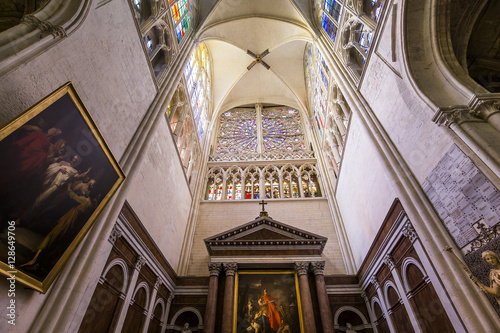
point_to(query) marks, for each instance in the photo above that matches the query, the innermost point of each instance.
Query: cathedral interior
(265, 166)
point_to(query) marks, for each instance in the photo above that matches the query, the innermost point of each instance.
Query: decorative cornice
(214, 268)
(318, 267)
(389, 261)
(230, 268)
(140, 262)
(301, 267)
(115, 234)
(409, 232)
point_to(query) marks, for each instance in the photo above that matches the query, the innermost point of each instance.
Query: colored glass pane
(238, 131)
(281, 130)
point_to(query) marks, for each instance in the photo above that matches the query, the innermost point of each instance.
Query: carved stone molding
(456, 114)
(45, 26)
(409, 232)
(170, 298)
(486, 109)
(485, 236)
(140, 262)
(230, 268)
(374, 281)
(318, 267)
(389, 261)
(115, 234)
(214, 268)
(301, 267)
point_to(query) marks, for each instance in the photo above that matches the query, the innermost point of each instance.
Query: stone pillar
(149, 316)
(324, 304)
(128, 296)
(209, 321)
(388, 260)
(227, 310)
(305, 296)
(381, 298)
(164, 322)
(370, 313)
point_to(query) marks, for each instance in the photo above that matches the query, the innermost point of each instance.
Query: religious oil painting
(56, 176)
(267, 302)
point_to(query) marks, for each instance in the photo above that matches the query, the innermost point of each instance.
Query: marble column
(164, 321)
(213, 284)
(301, 268)
(227, 310)
(128, 296)
(389, 261)
(383, 304)
(373, 319)
(152, 300)
(324, 304)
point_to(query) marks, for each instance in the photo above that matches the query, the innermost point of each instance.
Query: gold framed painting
(267, 301)
(56, 176)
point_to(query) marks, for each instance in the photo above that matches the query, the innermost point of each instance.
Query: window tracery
(156, 31)
(351, 25)
(330, 111)
(263, 182)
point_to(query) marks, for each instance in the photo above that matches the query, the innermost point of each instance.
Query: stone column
(324, 304)
(227, 310)
(149, 316)
(130, 290)
(388, 260)
(370, 313)
(305, 296)
(381, 298)
(209, 321)
(164, 322)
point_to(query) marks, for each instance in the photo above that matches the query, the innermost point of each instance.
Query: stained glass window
(280, 131)
(238, 131)
(181, 17)
(197, 73)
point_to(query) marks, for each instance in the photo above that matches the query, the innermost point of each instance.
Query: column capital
(158, 282)
(140, 262)
(364, 296)
(318, 267)
(301, 267)
(409, 232)
(389, 261)
(115, 234)
(170, 298)
(455, 114)
(214, 268)
(375, 282)
(230, 268)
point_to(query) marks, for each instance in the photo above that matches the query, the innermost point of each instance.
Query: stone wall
(311, 215)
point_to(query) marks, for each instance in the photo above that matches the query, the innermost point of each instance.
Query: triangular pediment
(265, 236)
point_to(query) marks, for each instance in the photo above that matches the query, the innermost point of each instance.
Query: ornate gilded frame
(79, 136)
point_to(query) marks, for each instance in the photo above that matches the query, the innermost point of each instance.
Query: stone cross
(263, 203)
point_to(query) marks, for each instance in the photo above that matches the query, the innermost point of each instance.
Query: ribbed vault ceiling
(231, 27)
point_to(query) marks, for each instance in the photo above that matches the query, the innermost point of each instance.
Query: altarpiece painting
(267, 302)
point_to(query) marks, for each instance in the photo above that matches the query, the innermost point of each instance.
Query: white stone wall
(311, 215)
(160, 195)
(364, 191)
